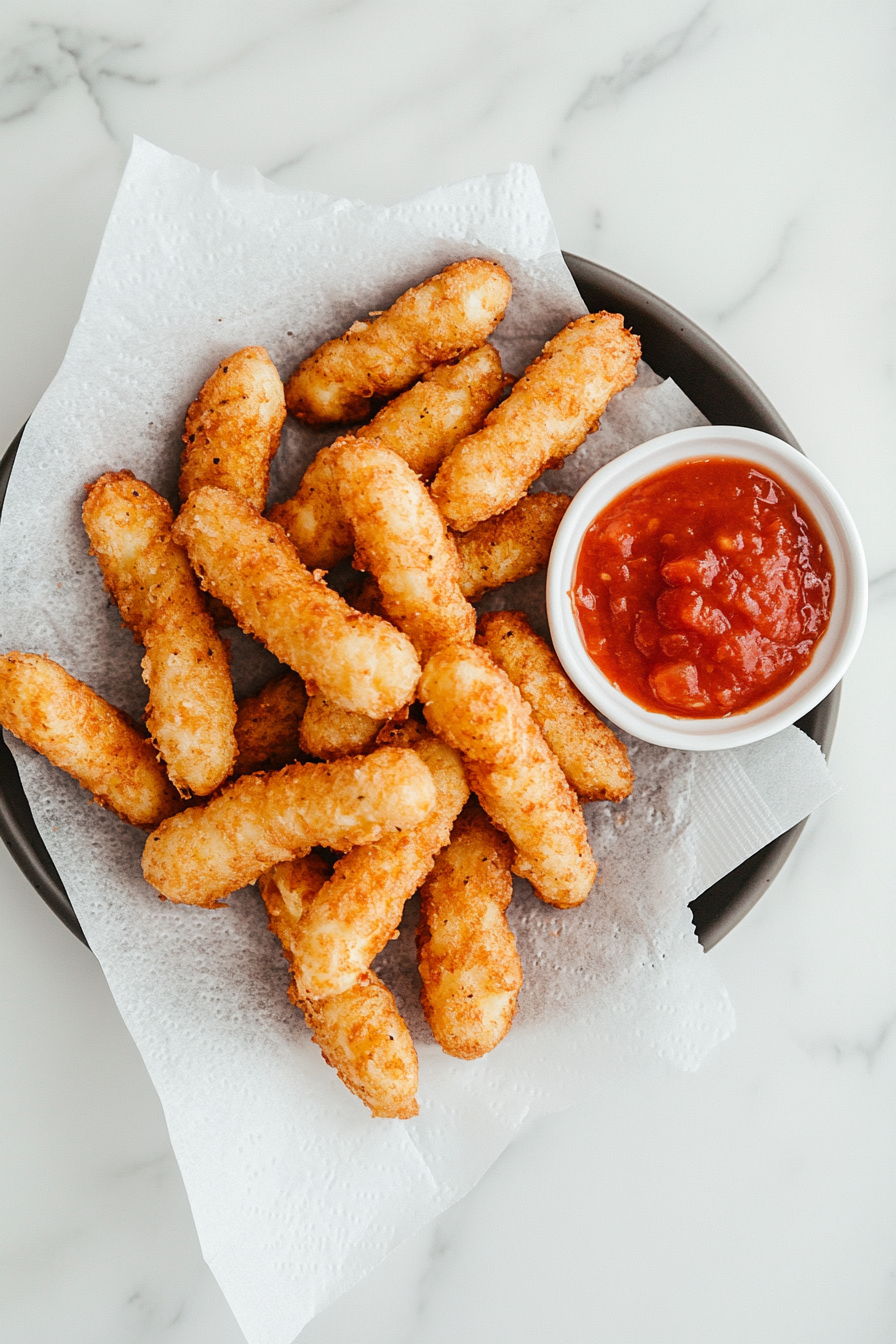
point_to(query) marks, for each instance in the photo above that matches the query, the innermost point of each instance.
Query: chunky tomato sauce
(704, 589)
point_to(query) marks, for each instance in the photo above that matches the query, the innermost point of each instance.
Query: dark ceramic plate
(675, 348)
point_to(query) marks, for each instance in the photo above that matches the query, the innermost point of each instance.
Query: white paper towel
(296, 1191)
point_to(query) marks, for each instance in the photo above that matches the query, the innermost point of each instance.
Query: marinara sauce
(703, 589)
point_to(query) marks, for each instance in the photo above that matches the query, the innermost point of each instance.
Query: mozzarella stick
(442, 318)
(551, 410)
(191, 711)
(358, 662)
(421, 426)
(591, 756)
(401, 538)
(233, 427)
(511, 546)
(328, 732)
(359, 909)
(202, 855)
(466, 952)
(361, 1033)
(84, 735)
(473, 705)
(268, 724)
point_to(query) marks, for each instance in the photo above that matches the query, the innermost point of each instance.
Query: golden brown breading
(472, 704)
(551, 410)
(421, 426)
(358, 910)
(363, 1036)
(466, 952)
(87, 737)
(267, 725)
(204, 854)
(401, 539)
(361, 1032)
(511, 546)
(442, 318)
(593, 759)
(233, 427)
(191, 712)
(358, 662)
(329, 732)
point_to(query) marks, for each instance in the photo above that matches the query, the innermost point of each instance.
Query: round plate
(674, 348)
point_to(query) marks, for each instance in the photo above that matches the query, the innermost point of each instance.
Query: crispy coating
(401, 539)
(87, 737)
(191, 712)
(439, 320)
(363, 1036)
(267, 725)
(511, 546)
(591, 756)
(421, 426)
(466, 952)
(472, 704)
(359, 909)
(233, 427)
(204, 854)
(329, 732)
(358, 662)
(551, 410)
(361, 1032)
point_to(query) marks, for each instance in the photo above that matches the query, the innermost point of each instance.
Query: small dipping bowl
(834, 651)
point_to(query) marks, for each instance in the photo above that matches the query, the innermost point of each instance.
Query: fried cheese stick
(202, 855)
(401, 539)
(79, 731)
(591, 756)
(359, 909)
(361, 1033)
(510, 546)
(444, 317)
(233, 427)
(191, 712)
(421, 426)
(550, 411)
(328, 732)
(472, 704)
(466, 951)
(268, 724)
(358, 662)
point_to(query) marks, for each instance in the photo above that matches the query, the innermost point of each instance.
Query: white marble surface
(737, 158)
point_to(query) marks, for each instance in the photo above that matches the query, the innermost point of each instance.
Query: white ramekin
(834, 651)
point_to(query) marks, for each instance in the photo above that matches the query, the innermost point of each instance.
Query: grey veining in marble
(737, 157)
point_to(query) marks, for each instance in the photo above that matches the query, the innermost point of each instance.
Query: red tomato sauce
(703, 589)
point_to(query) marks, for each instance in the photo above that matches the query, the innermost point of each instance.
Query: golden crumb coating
(363, 1036)
(359, 909)
(510, 546)
(267, 725)
(204, 854)
(87, 737)
(439, 320)
(191, 712)
(469, 966)
(361, 1032)
(233, 427)
(358, 662)
(421, 426)
(314, 519)
(402, 540)
(551, 410)
(593, 759)
(472, 704)
(329, 732)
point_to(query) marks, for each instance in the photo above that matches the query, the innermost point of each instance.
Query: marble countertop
(736, 157)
